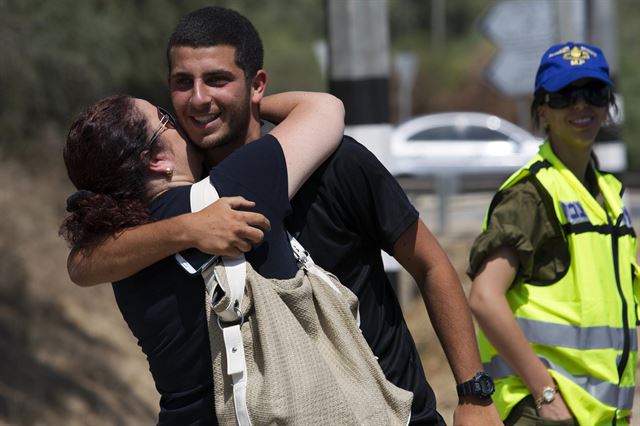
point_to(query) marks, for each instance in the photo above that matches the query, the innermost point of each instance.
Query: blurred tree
(57, 56)
(413, 17)
(60, 55)
(288, 32)
(629, 16)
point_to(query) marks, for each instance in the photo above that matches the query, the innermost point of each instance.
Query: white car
(462, 143)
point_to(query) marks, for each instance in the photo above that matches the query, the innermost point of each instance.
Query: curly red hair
(103, 158)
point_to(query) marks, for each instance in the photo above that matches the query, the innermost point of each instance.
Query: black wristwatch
(481, 385)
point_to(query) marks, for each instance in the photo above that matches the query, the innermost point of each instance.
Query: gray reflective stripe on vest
(575, 337)
(605, 392)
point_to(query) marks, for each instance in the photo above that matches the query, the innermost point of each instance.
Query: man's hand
(473, 411)
(223, 229)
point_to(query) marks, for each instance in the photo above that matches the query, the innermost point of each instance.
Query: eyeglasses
(598, 95)
(167, 121)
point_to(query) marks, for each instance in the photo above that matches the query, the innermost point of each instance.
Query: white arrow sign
(520, 22)
(513, 71)
(522, 30)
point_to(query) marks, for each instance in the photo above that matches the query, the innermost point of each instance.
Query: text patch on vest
(574, 212)
(627, 217)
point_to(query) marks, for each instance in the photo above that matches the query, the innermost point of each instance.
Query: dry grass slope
(67, 358)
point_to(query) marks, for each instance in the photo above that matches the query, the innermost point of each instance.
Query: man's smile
(205, 119)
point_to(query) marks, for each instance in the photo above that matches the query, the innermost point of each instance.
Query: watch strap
(466, 388)
(480, 385)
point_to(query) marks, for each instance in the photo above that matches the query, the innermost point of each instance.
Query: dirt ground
(464, 219)
(67, 356)
(433, 359)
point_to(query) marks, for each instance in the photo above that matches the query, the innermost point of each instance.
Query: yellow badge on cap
(578, 55)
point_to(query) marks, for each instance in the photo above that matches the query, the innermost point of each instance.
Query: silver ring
(238, 313)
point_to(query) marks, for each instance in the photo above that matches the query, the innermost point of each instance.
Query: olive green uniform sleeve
(520, 217)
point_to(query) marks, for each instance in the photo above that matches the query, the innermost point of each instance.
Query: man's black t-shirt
(164, 306)
(348, 211)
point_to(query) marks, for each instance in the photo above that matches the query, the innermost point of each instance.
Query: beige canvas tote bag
(290, 352)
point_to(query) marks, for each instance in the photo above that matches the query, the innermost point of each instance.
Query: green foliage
(629, 15)
(288, 31)
(60, 55)
(415, 17)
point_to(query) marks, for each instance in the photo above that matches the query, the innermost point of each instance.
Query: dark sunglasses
(167, 121)
(598, 95)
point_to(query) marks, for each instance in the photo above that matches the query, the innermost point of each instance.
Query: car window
(477, 133)
(458, 133)
(442, 133)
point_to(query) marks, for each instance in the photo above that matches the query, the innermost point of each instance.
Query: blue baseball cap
(562, 64)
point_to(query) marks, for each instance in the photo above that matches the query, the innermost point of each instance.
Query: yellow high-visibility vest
(581, 326)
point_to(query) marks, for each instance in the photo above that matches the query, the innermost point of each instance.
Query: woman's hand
(556, 409)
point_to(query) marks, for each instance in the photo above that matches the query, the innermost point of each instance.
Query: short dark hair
(213, 26)
(103, 159)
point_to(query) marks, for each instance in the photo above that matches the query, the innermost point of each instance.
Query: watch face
(481, 385)
(549, 394)
(486, 385)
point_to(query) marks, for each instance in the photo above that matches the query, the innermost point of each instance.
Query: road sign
(521, 30)
(513, 71)
(520, 22)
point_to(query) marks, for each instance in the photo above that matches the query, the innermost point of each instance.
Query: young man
(348, 210)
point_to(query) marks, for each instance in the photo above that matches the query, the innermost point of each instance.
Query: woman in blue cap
(554, 269)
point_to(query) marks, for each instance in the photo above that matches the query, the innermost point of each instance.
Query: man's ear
(258, 86)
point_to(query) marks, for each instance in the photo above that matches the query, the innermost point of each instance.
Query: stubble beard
(235, 135)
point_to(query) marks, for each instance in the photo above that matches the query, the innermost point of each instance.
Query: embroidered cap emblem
(577, 56)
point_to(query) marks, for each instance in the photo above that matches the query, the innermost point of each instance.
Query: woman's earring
(168, 172)
(544, 124)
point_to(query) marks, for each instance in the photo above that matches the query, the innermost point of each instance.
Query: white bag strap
(203, 194)
(304, 259)
(237, 369)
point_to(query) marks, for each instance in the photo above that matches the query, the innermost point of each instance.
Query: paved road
(465, 212)
(464, 216)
